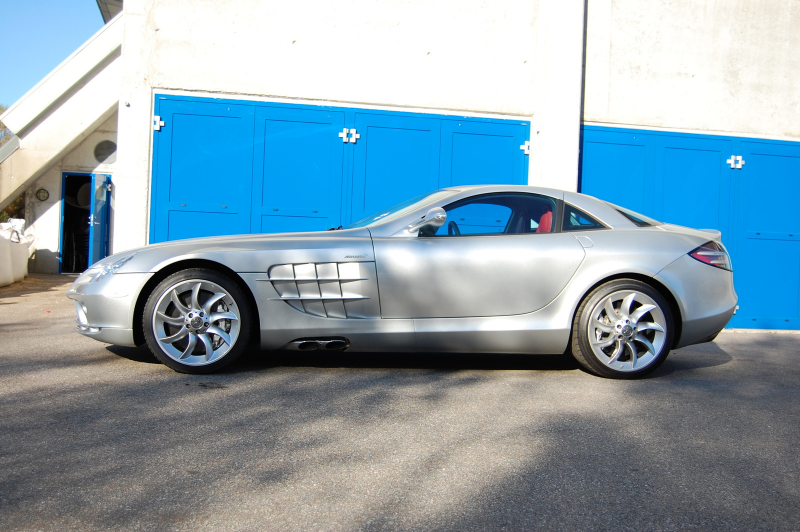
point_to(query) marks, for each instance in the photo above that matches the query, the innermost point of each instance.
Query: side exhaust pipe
(323, 344)
(336, 345)
(307, 346)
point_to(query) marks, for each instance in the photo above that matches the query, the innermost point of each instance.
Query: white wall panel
(697, 65)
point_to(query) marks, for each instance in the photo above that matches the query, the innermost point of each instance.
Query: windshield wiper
(334, 228)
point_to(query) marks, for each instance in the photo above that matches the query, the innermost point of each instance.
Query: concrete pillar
(131, 176)
(555, 129)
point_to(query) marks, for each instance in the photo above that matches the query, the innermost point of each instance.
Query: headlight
(113, 267)
(88, 275)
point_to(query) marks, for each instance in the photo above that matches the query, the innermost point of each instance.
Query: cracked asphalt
(98, 437)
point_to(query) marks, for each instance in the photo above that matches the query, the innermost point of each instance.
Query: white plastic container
(6, 269)
(14, 252)
(19, 258)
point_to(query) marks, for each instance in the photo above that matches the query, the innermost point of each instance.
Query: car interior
(498, 214)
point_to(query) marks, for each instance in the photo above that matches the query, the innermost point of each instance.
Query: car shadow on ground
(256, 360)
(689, 358)
(693, 357)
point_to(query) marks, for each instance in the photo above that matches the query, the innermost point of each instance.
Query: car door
(496, 255)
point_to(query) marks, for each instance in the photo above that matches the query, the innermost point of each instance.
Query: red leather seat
(545, 223)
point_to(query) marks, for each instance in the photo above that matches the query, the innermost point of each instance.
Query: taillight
(713, 254)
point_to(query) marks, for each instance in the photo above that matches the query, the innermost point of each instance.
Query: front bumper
(105, 307)
(705, 295)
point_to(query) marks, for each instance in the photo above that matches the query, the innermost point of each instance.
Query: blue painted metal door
(695, 169)
(98, 218)
(766, 248)
(678, 179)
(614, 167)
(481, 153)
(203, 170)
(687, 180)
(226, 166)
(396, 158)
(298, 170)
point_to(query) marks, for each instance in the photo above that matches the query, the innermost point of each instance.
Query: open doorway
(75, 225)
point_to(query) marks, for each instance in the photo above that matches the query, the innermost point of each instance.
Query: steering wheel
(452, 229)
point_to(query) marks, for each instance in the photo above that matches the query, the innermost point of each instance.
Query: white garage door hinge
(736, 161)
(526, 148)
(157, 123)
(353, 135)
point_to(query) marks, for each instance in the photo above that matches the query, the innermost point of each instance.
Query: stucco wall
(472, 56)
(726, 66)
(43, 218)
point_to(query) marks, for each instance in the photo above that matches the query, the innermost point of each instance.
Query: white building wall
(43, 218)
(727, 67)
(471, 56)
(555, 129)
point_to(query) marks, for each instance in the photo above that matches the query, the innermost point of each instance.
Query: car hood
(153, 256)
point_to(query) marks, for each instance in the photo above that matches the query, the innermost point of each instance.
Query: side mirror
(432, 221)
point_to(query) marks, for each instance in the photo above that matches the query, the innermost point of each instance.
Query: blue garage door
(480, 153)
(297, 183)
(204, 169)
(766, 251)
(396, 158)
(231, 167)
(688, 180)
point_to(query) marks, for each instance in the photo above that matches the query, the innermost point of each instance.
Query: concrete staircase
(61, 110)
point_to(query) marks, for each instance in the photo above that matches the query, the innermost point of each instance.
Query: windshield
(639, 219)
(401, 209)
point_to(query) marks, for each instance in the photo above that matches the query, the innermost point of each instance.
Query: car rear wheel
(623, 329)
(196, 321)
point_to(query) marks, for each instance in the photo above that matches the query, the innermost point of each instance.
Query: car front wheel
(623, 329)
(196, 321)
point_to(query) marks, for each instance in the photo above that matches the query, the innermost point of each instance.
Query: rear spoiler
(716, 233)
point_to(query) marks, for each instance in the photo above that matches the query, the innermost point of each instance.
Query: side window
(476, 219)
(577, 220)
(498, 214)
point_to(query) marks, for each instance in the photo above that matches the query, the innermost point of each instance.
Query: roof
(109, 8)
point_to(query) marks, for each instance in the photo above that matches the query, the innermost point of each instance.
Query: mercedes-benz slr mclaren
(487, 269)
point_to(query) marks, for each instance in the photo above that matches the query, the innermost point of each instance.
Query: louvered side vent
(328, 290)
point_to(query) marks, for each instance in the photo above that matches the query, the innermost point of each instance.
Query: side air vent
(328, 290)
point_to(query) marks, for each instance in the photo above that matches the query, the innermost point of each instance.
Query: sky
(37, 36)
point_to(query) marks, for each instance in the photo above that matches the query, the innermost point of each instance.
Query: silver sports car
(488, 269)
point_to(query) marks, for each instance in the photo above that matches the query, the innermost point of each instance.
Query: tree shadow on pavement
(36, 283)
(300, 441)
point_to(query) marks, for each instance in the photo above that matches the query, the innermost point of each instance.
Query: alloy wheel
(627, 330)
(196, 322)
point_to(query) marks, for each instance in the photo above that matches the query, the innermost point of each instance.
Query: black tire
(216, 319)
(592, 321)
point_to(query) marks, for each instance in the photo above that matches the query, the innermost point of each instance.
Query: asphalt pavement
(99, 437)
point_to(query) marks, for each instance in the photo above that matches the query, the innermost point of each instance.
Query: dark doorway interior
(75, 237)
